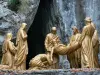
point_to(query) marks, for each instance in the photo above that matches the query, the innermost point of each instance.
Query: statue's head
(9, 36)
(75, 29)
(88, 20)
(54, 30)
(23, 25)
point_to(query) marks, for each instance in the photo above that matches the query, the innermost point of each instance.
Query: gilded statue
(5, 67)
(50, 40)
(8, 50)
(53, 45)
(40, 62)
(78, 51)
(75, 57)
(87, 56)
(22, 48)
(62, 49)
(95, 41)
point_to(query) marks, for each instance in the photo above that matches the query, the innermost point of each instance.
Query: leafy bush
(13, 4)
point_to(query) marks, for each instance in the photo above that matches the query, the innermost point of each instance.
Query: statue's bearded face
(75, 30)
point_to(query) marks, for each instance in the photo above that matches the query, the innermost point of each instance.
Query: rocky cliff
(10, 20)
(60, 13)
(53, 72)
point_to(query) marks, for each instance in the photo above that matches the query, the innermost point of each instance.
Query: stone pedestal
(53, 72)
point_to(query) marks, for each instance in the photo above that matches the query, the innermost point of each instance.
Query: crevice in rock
(13, 5)
(36, 35)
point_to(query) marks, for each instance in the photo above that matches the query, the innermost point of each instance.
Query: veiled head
(88, 20)
(9, 36)
(23, 25)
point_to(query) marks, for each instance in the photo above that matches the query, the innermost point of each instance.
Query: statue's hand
(43, 66)
(51, 60)
(80, 43)
(15, 58)
(15, 48)
(12, 43)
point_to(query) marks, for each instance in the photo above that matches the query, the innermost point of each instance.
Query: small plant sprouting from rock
(24, 6)
(13, 4)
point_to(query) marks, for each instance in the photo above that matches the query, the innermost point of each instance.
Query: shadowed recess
(35, 32)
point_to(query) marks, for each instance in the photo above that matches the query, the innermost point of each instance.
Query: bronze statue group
(82, 50)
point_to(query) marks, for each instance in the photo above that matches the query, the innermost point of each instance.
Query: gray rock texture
(60, 13)
(67, 13)
(53, 72)
(10, 21)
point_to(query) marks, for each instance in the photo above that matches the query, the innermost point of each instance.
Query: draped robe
(40, 61)
(71, 56)
(22, 50)
(87, 56)
(95, 41)
(75, 57)
(8, 50)
(50, 41)
(78, 51)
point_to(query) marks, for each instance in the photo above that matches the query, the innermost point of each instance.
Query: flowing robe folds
(95, 41)
(87, 57)
(8, 54)
(71, 56)
(50, 41)
(75, 57)
(22, 50)
(39, 62)
(78, 51)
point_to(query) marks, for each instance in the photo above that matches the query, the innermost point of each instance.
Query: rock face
(60, 13)
(67, 13)
(53, 72)
(10, 20)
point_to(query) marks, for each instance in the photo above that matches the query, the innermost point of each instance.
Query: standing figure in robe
(78, 51)
(50, 41)
(75, 57)
(87, 56)
(95, 41)
(8, 50)
(22, 48)
(71, 56)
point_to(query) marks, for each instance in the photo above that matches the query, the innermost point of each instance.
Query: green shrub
(13, 4)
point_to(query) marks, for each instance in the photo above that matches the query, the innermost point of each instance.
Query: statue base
(84, 71)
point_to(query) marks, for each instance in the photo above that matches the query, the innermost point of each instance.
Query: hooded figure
(87, 55)
(22, 48)
(8, 50)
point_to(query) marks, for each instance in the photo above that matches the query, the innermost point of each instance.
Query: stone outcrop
(10, 20)
(53, 72)
(60, 13)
